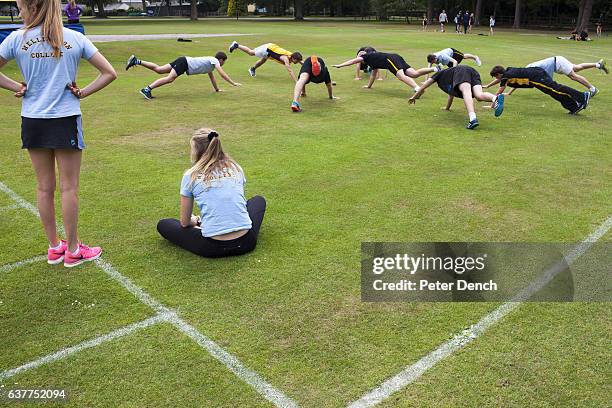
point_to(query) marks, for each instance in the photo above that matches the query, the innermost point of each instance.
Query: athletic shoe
(478, 61)
(583, 106)
(473, 124)
(252, 71)
(56, 255)
(417, 89)
(594, 92)
(295, 106)
(233, 46)
(83, 254)
(131, 62)
(146, 93)
(603, 66)
(499, 105)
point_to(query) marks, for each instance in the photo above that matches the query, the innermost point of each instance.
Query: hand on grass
(366, 87)
(445, 108)
(237, 84)
(21, 92)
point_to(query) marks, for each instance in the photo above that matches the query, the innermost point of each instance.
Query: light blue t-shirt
(221, 201)
(201, 65)
(444, 56)
(45, 75)
(548, 64)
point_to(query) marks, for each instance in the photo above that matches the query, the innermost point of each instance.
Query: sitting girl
(228, 224)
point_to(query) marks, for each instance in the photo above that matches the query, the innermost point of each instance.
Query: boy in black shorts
(180, 66)
(391, 62)
(313, 70)
(535, 77)
(462, 82)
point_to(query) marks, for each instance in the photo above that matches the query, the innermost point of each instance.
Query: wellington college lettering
(38, 40)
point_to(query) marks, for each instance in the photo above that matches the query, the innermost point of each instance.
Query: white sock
(77, 250)
(592, 89)
(472, 116)
(56, 247)
(597, 65)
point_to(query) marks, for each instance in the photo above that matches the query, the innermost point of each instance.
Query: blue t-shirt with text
(45, 75)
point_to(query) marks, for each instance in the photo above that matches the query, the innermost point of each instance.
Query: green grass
(364, 168)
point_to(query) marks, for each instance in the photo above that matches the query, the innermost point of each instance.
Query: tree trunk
(194, 10)
(477, 12)
(168, 7)
(298, 9)
(580, 10)
(517, 14)
(101, 12)
(583, 23)
(430, 11)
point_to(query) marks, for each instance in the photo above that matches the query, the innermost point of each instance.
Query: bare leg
(415, 73)
(260, 62)
(165, 80)
(300, 85)
(43, 161)
(406, 79)
(160, 69)
(580, 79)
(466, 91)
(246, 49)
(69, 165)
(470, 56)
(584, 65)
(480, 95)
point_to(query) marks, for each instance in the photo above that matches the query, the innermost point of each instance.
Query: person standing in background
(443, 18)
(73, 12)
(491, 24)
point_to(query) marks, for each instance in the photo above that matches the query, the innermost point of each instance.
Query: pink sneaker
(83, 254)
(56, 255)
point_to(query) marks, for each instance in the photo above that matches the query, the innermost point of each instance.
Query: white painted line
(10, 207)
(18, 200)
(10, 267)
(60, 355)
(234, 365)
(411, 373)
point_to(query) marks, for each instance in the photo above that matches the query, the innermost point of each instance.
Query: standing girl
(228, 224)
(73, 12)
(48, 56)
(491, 23)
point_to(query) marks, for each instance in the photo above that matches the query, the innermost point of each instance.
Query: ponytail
(48, 15)
(208, 157)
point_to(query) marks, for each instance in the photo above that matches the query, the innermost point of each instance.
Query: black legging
(570, 98)
(191, 238)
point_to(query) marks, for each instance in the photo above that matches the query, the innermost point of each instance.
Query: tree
(236, 7)
(194, 10)
(298, 6)
(430, 11)
(517, 14)
(101, 12)
(477, 12)
(584, 15)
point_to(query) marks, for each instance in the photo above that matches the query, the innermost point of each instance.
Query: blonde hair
(208, 157)
(48, 15)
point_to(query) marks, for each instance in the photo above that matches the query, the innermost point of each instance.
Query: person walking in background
(458, 21)
(48, 56)
(599, 25)
(471, 23)
(424, 22)
(73, 12)
(443, 18)
(466, 22)
(491, 24)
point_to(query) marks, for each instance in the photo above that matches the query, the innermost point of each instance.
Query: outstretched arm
(353, 61)
(421, 91)
(291, 73)
(373, 76)
(493, 82)
(330, 91)
(225, 76)
(213, 81)
(449, 102)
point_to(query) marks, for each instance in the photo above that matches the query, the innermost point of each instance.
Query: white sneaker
(252, 71)
(478, 62)
(233, 46)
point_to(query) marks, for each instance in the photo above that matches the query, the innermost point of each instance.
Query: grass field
(367, 167)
